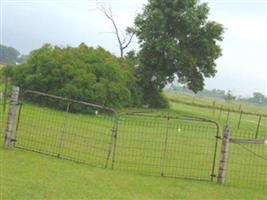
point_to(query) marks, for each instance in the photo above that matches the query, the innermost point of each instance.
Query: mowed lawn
(144, 147)
(27, 175)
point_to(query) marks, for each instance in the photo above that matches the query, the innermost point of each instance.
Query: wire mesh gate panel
(66, 128)
(166, 146)
(247, 160)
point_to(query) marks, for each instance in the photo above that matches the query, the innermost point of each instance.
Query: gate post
(11, 118)
(224, 154)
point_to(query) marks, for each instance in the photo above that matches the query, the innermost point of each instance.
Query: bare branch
(123, 43)
(129, 41)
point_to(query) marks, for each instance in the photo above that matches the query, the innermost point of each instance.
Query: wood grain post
(224, 154)
(11, 118)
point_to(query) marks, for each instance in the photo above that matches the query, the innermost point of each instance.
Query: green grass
(208, 101)
(27, 175)
(139, 152)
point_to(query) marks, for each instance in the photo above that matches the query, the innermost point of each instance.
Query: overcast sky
(27, 24)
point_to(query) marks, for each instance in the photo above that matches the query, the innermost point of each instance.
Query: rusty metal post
(224, 154)
(240, 118)
(213, 107)
(258, 127)
(11, 119)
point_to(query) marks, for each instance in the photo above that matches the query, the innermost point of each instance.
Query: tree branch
(123, 43)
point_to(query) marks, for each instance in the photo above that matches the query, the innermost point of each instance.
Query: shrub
(83, 73)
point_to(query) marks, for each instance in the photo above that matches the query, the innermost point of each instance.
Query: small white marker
(179, 130)
(96, 112)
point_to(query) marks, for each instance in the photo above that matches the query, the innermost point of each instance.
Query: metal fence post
(220, 114)
(213, 107)
(240, 117)
(11, 119)
(224, 154)
(228, 115)
(258, 127)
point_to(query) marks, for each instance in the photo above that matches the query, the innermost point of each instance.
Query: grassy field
(27, 175)
(145, 146)
(208, 101)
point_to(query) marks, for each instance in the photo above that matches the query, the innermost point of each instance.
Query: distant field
(208, 101)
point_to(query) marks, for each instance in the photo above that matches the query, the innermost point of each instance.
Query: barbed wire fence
(149, 144)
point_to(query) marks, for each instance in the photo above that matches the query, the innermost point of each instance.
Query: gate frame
(70, 101)
(185, 118)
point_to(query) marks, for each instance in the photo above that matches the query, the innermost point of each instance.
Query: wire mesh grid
(247, 160)
(4, 93)
(153, 145)
(166, 146)
(80, 132)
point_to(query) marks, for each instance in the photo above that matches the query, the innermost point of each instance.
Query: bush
(157, 100)
(83, 73)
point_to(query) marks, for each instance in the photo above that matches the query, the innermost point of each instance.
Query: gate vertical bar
(113, 141)
(224, 154)
(18, 121)
(165, 148)
(63, 131)
(11, 119)
(215, 152)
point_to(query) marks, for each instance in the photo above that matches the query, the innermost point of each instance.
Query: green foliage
(157, 100)
(8, 55)
(258, 98)
(229, 96)
(176, 39)
(83, 73)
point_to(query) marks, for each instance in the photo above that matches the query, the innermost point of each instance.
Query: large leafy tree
(176, 40)
(8, 55)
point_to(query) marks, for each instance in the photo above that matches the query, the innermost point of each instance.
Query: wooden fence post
(220, 114)
(11, 118)
(213, 107)
(224, 154)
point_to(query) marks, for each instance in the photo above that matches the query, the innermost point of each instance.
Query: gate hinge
(218, 137)
(213, 175)
(13, 140)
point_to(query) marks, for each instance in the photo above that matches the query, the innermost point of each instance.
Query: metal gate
(166, 146)
(66, 128)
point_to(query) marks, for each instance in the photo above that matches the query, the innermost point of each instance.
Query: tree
(258, 98)
(229, 97)
(8, 55)
(176, 37)
(83, 73)
(124, 41)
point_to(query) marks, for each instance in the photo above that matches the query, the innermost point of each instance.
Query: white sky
(27, 24)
